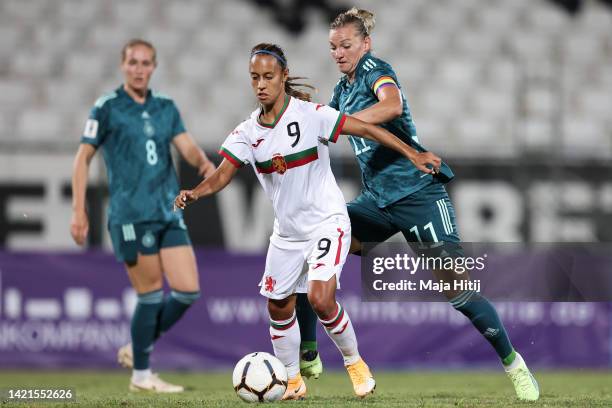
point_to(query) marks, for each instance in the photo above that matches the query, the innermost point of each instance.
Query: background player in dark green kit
(135, 127)
(394, 199)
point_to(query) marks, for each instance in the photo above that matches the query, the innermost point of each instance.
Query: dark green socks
(307, 319)
(175, 305)
(483, 316)
(154, 316)
(144, 326)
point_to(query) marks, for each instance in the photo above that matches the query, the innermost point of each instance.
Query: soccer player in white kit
(286, 142)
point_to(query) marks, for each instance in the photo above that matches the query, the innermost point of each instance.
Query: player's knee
(280, 309)
(149, 285)
(323, 306)
(186, 298)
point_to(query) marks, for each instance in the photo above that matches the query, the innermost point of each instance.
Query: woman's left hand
(427, 162)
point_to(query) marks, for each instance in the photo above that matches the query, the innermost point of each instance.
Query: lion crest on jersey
(278, 163)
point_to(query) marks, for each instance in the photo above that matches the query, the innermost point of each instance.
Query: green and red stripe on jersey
(337, 128)
(293, 160)
(231, 157)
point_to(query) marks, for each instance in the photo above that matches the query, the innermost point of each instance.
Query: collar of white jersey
(277, 118)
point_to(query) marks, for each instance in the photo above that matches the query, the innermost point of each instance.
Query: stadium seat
(595, 101)
(540, 101)
(10, 38)
(239, 13)
(595, 18)
(29, 64)
(476, 44)
(536, 135)
(6, 131)
(107, 40)
(89, 66)
(25, 11)
(459, 73)
(49, 38)
(185, 13)
(528, 45)
(428, 43)
(584, 137)
(167, 41)
(16, 94)
(479, 135)
(212, 42)
(495, 18)
(36, 125)
(583, 48)
(439, 102)
(77, 12)
(134, 13)
(67, 95)
(413, 72)
(546, 20)
(434, 134)
(494, 103)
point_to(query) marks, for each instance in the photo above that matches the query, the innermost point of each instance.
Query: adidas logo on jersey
(369, 64)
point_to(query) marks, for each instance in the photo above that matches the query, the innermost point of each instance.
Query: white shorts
(286, 272)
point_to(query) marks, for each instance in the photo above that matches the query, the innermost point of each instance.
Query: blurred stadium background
(515, 94)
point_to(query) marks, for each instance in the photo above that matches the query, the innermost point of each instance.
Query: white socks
(340, 329)
(285, 335)
(138, 376)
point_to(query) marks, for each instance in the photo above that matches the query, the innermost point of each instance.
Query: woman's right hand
(183, 198)
(79, 227)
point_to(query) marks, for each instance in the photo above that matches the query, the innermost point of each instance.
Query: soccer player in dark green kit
(394, 199)
(135, 127)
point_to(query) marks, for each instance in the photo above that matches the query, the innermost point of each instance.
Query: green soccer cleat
(525, 384)
(311, 365)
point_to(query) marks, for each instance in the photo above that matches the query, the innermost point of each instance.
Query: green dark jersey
(135, 140)
(387, 176)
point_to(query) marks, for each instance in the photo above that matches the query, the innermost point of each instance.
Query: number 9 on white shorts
(291, 264)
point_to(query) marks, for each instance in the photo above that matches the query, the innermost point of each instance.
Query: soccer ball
(259, 377)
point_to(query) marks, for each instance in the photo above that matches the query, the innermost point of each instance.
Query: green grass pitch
(394, 389)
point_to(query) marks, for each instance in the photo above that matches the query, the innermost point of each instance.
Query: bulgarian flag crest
(278, 163)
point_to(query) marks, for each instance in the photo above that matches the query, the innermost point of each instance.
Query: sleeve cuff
(231, 158)
(333, 137)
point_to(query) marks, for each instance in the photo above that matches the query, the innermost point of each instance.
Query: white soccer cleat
(525, 384)
(125, 358)
(155, 384)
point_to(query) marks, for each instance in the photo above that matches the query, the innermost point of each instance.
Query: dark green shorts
(146, 238)
(426, 216)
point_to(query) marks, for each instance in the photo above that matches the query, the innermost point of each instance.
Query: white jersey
(291, 160)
